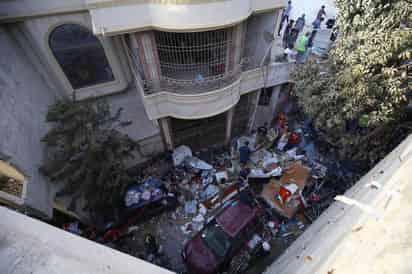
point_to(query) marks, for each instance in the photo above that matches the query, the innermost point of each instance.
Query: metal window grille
(195, 56)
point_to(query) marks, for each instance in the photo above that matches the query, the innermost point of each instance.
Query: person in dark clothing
(321, 13)
(300, 23)
(316, 24)
(311, 38)
(334, 34)
(244, 153)
(287, 32)
(244, 173)
(263, 130)
(294, 33)
(151, 247)
(285, 16)
(261, 134)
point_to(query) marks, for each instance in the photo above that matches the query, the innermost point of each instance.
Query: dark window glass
(80, 55)
(265, 96)
(217, 240)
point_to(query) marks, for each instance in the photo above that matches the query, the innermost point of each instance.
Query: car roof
(236, 217)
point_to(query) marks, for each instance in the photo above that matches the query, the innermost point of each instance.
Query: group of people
(293, 29)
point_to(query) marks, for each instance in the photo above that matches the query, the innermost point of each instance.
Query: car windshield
(216, 239)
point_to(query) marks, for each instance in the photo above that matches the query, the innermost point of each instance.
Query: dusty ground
(166, 229)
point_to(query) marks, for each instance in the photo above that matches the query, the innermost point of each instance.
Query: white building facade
(185, 72)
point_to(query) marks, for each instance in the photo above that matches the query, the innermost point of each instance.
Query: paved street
(321, 42)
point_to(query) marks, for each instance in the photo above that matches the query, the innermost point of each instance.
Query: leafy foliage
(365, 76)
(87, 152)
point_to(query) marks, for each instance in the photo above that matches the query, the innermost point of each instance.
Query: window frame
(10, 170)
(120, 82)
(207, 43)
(97, 44)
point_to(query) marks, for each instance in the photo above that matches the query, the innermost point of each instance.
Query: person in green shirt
(301, 47)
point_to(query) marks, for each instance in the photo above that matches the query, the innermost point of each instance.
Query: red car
(211, 250)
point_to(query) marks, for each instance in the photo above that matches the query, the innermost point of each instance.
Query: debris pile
(182, 200)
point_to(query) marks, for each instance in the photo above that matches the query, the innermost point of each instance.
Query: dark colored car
(211, 250)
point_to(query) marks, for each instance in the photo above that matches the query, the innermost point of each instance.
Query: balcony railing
(195, 86)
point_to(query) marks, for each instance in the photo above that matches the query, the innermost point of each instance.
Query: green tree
(87, 153)
(365, 80)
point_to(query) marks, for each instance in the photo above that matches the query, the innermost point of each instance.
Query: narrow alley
(205, 137)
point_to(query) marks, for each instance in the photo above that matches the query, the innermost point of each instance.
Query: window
(80, 55)
(11, 181)
(194, 55)
(216, 239)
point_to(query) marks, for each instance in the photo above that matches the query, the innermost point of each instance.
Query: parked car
(212, 249)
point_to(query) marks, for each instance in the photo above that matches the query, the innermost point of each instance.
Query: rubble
(222, 175)
(260, 173)
(190, 207)
(286, 178)
(197, 164)
(209, 192)
(180, 154)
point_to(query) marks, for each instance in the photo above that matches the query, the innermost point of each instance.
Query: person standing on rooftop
(285, 16)
(287, 33)
(301, 47)
(293, 35)
(300, 23)
(321, 13)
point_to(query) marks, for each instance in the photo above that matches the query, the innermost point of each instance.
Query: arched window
(80, 55)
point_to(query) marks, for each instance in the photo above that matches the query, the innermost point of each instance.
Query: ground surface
(320, 44)
(166, 229)
(311, 8)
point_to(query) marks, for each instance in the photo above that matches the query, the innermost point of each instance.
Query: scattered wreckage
(229, 213)
(237, 225)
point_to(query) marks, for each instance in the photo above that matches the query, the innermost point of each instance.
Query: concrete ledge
(345, 239)
(29, 246)
(111, 18)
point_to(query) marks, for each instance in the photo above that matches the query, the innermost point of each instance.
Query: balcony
(192, 104)
(196, 86)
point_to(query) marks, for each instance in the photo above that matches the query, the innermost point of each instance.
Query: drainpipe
(229, 124)
(261, 66)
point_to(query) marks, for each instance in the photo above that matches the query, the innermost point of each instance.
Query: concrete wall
(28, 86)
(143, 130)
(115, 18)
(373, 238)
(256, 42)
(37, 30)
(24, 97)
(265, 114)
